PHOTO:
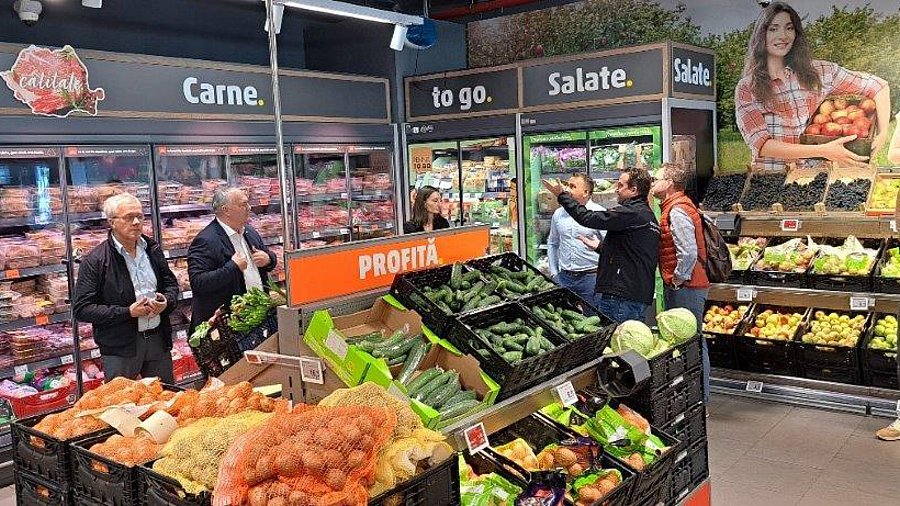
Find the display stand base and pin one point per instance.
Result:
(701, 496)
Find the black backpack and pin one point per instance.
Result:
(718, 260)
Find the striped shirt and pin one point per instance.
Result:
(794, 106)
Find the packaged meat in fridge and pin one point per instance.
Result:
(304, 186)
(336, 185)
(82, 199)
(20, 253)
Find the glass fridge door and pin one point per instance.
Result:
(35, 321)
(437, 164)
(488, 170)
(371, 192)
(322, 195)
(95, 173)
(614, 149)
(255, 168)
(186, 178)
(547, 156)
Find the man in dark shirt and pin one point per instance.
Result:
(628, 258)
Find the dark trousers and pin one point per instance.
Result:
(152, 359)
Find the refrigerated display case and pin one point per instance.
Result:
(614, 149)
(437, 164)
(371, 192)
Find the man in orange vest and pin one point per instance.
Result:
(682, 250)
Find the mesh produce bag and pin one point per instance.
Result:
(314, 456)
(130, 451)
(220, 402)
(193, 453)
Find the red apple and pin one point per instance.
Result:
(827, 107)
(867, 105)
(852, 107)
(863, 124)
(840, 103)
(843, 120)
(856, 114)
(814, 130)
(821, 119)
(848, 129)
(832, 129)
(839, 114)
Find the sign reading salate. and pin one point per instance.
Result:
(693, 72)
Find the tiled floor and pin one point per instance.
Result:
(774, 455)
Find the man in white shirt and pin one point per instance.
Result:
(227, 258)
(573, 264)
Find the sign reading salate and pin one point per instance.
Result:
(480, 92)
(604, 77)
(693, 72)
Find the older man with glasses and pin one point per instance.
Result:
(126, 291)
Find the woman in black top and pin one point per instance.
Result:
(426, 212)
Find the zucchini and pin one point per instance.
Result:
(458, 409)
(443, 394)
(432, 386)
(396, 360)
(422, 379)
(416, 354)
(371, 336)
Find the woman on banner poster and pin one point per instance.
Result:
(783, 87)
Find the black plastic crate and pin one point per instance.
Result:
(689, 427)
(881, 284)
(767, 355)
(691, 468)
(826, 362)
(214, 356)
(879, 368)
(41, 454)
(586, 348)
(740, 276)
(667, 369)
(846, 283)
(80, 500)
(776, 278)
(653, 480)
(158, 490)
(408, 288)
(722, 347)
(244, 341)
(101, 479)
(32, 490)
(664, 406)
(438, 486)
(509, 261)
(513, 378)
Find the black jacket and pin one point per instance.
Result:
(629, 254)
(438, 223)
(104, 292)
(214, 277)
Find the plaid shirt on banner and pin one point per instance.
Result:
(794, 107)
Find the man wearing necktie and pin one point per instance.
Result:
(227, 257)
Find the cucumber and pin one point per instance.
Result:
(463, 395)
(444, 307)
(533, 347)
(489, 288)
(533, 284)
(472, 304)
(422, 379)
(443, 394)
(371, 336)
(471, 276)
(390, 351)
(511, 345)
(455, 276)
(512, 356)
(483, 352)
(416, 354)
(458, 409)
(502, 327)
(426, 391)
(396, 360)
(489, 301)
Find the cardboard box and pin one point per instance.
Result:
(471, 377)
(257, 374)
(326, 336)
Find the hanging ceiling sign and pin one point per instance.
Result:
(693, 71)
(54, 82)
(465, 93)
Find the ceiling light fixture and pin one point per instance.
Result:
(348, 10)
(278, 17)
(93, 4)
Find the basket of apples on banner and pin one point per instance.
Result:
(840, 116)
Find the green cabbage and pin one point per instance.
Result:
(633, 335)
(677, 325)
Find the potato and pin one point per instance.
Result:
(564, 457)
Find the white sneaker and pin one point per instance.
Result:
(890, 433)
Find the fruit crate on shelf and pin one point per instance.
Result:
(689, 427)
(829, 362)
(879, 367)
(41, 454)
(734, 182)
(509, 261)
(583, 349)
(409, 289)
(249, 340)
(761, 192)
(769, 356)
(799, 180)
(438, 486)
(513, 378)
(101, 479)
(881, 203)
(32, 490)
(765, 277)
(663, 407)
(880, 283)
(837, 184)
(845, 283)
(159, 490)
(740, 276)
(722, 346)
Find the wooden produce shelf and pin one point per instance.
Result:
(859, 225)
(805, 297)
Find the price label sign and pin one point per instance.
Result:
(188, 294)
(476, 438)
(21, 370)
(167, 254)
(337, 345)
(754, 386)
(66, 359)
(316, 235)
(745, 294)
(95, 353)
(41, 319)
(181, 334)
(791, 225)
(12, 273)
(566, 394)
(893, 225)
(311, 370)
(859, 303)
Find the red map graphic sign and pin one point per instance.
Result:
(52, 82)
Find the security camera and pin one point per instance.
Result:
(29, 11)
(763, 3)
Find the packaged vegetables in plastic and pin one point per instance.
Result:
(745, 251)
(489, 489)
(794, 255)
(849, 259)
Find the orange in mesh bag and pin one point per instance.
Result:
(313, 456)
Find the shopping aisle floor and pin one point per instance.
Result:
(775, 455)
(770, 454)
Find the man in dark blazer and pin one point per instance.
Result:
(227, 257)
(126, 291)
